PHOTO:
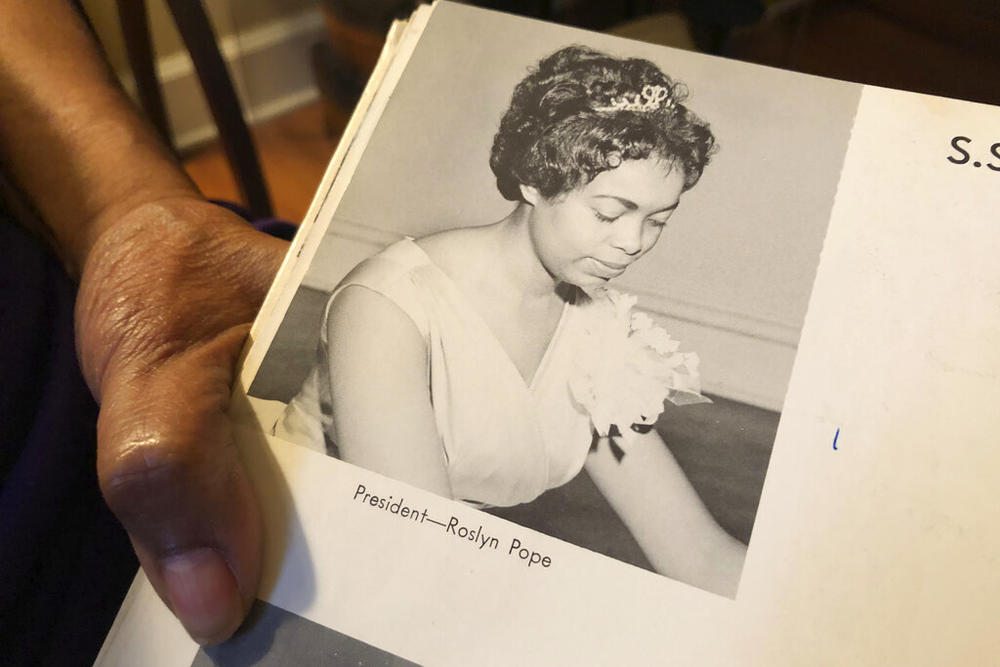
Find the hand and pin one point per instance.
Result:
(166, 298)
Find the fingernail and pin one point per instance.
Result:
(203, 594)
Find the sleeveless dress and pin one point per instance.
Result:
(504, 441)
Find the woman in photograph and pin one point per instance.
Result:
(488, 363)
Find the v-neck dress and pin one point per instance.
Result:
(504, 442)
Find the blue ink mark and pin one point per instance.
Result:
(837, 435)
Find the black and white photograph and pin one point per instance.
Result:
(565, 287)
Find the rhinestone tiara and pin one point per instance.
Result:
(650, 99)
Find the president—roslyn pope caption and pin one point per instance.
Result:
(453, 527)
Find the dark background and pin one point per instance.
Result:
(928, 46)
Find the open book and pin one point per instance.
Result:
(443, 484)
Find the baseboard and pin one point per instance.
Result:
(743, 357)
(269, 66)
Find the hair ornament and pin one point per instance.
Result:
(650, 99)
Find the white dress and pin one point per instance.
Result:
(504, 441)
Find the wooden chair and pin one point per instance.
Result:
(199, 38)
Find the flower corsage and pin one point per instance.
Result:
(627, 368)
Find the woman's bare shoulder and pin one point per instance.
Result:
(358, 311)
(459, 251)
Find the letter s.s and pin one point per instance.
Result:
(995, 150)
(965, 154)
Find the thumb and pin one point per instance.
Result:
(170, 470)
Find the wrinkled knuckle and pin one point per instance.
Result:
(130, 303)
(142, 258)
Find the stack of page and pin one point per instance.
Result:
(596, 352)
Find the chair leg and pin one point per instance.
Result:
(198, 36)
(135, 31)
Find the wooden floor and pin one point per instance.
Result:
(294, 150)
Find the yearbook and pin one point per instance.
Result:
(591, 351)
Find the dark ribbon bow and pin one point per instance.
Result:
(613, 433)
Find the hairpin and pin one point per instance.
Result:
(651, 99)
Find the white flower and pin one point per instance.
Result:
(628, 366)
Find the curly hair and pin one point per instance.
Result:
(561, 129)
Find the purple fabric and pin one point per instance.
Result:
(65, 563)
(273, 226)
